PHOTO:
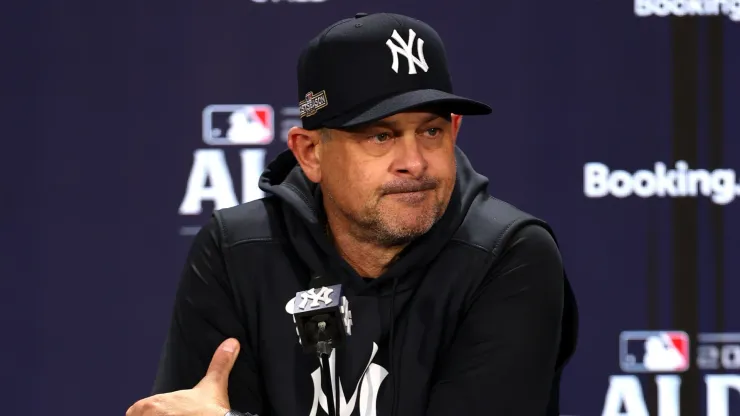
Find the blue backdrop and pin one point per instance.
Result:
(104, 106)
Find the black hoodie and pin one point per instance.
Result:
(474, 318)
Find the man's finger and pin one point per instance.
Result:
(222, 362)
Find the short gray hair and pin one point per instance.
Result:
(325, 134)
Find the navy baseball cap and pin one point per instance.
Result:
(372, 66)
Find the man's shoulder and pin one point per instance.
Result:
(514, 237)
(491, 224)
(251, 221)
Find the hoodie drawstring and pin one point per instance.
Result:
(394, 373)
(337, 408)
(326, 383)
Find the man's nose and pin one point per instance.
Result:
(410, 157)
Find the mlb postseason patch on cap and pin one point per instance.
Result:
(312, 103)
(374, 66)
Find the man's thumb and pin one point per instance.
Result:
(217, 376)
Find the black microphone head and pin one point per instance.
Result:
(322, 315)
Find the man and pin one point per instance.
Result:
(459, 302)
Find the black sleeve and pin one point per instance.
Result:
(204, 316)
(502, 361)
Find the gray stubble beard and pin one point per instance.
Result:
(373, 229)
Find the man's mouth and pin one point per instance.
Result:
(411, 189)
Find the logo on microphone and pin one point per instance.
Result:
(307, 304)
(654, 351)
(322, 296)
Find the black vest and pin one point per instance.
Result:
(252, 232)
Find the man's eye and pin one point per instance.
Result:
(434, 131)
(381, 137)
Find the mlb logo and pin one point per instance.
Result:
(654, 351)
(238, 124)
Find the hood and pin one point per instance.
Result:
(304, 219)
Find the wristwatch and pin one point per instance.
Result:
(235, 413)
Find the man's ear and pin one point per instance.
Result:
(306, 146)
(456, 121)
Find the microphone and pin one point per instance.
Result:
(323, 319)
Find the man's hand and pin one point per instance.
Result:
(209, 398)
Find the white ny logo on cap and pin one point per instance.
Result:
(405, 49)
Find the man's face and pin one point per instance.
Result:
(392, 179)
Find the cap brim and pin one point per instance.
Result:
(408, 101)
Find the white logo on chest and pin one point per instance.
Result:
(368, 387)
